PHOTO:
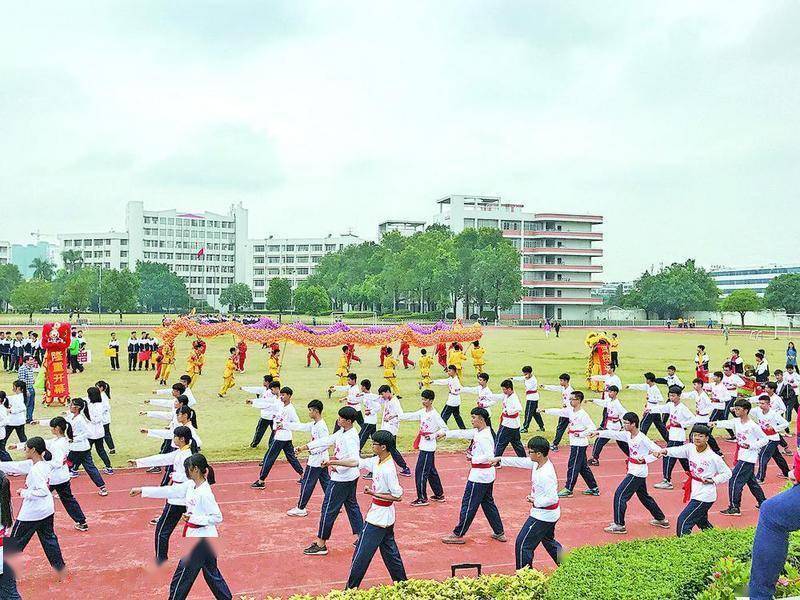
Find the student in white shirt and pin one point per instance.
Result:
(175, 507)
(185, 381)
(635, 481)
(777, 404)
(178, 400)
(652, 399)
(704, 407)
(15, 404)
(453, 404)
(565, 389)
(580, 426)
(390, 421)
(314, 470)
(8, 580)
(771, 423)
(480, 482)
(540, 526)
(609, 379)
(80, 453)
(344, 480)
(378, 529)
(749, 441)
(671, 378)
(96, 432)
(199, 521)
(531, 399)
(282, 442)
(36, 513)
(732, 382)
(353, 397)
(679, 419)
(613, 411)
(267, 401)
(430, 423)
(370, 407)
(105, 394)
(508, 433)
(708, 470)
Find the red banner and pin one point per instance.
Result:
(55, 340)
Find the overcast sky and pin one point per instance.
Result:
(676, 120)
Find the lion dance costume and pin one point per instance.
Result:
(55, 341)
(599, 359)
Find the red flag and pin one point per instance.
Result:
(201, 252)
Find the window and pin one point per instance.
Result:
(257, 271)
(108, 242)
(258, 282)
(302, 248)
(87, 242)
(302, 271)
(315, 259)
(290, 247)
(77, 243)
(107, 253)
(258, 248)
(302, 259)
(274, 260)
(316, 247)
(273, 271)
(288, 259)
(330, 247)
(123, 242)
(274, 248)
(511, 225)
(123, 265)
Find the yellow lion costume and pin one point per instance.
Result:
(599, 359)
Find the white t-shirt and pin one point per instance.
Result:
(703, 465)
(384, 481)
(544, 488)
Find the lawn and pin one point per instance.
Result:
(226, 425)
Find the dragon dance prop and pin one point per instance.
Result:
(56, 338)
(268, 331)
(599, 359)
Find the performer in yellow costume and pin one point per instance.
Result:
(344, 366)
(228, 380)
(457, 358)
(389, 365)
(274, 364)
(194, 366)
(167, 360)
(424, 363)
(599, 359)
(477, 357)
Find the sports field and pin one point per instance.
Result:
(226, 425)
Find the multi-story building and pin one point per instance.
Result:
(556, 253)
(609, 289)
(290, 258)
(24, 254)
(5, 253)
(207, 250)
(756, 278)
(406, 228)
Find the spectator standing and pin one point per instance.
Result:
(27, 373)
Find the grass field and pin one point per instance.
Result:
(226, 425)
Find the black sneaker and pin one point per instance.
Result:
(81, 527)
(153, 470)
(438, 498)
(258, 485)
(731, 512)
(524, 430)
(367, 476)
(314, 550)
(593, 462)
(419, 502)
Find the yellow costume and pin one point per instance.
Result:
(194, 366)
(477, 359)
(274, 366)
(389, 364)
(342, 369)
(167, 361)
(457, 358)
(425, 363)
(227, 376)
(599, 359)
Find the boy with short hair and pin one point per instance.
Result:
(749, 441)
(315, 468)
(478, 360)
(580, 425)
(228, 380)
(614, 412)
(430, 423)
(771, 423)
(531, 398)
(640, 449)
(269, 404)
(425, 363)
(508, 433)
(652, 400)
(371, 406)
(565, 389)
(390, 421)
(353, 398)
(453, 404)
(389, 366)
(679, 418)
(282, 442)
(342, 369)
(704, 407)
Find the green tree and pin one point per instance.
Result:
(73, 260)
(42, 269)
(78, 291)
(160, 289)
(312, 300)
(120, 291)
(741, 301)
(673, 291)
(10, 278)
(279, 295)
(32, 296)
(783, 293)
(236, 296)
(499, 274)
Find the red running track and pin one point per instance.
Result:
(260, 548)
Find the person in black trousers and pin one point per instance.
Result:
(133, 351)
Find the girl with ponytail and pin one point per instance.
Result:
(79, 450)
(16, 411)
(59, 447)
(174, 508)
(105, 393)
(200, 521)
(184, 417)
(36, 514)
(96, 431)
(178, 399)
(4, 455)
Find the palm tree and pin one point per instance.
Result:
(42, 269)
(73, 259)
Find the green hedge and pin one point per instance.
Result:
(654, 569)
(526, 584)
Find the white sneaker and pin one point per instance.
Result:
(297, 512)
(664, 485)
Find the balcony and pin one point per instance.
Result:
(594, 219)
(556, 300)
(561, 235)
(562, 268)
(564, 251)
(561, 284)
